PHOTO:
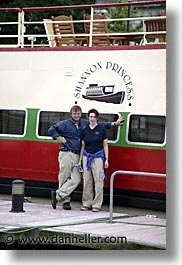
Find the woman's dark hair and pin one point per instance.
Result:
(93, 111)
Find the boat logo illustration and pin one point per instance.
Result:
(104, 93)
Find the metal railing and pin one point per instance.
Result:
(123, 172)
(23, 38)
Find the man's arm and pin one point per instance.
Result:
(55, 131)
(119, 121)
(52, 131)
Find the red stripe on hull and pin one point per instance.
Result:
(35, 160)
(138, 159)
(29, 160)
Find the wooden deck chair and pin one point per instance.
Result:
(99, 27)
(155, 25)
(61, 28)
(49, 31)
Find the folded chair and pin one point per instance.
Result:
(63, 26)
(49, 32)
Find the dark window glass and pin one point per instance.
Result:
(48, 118)
(112, 133)
(12, 122)
(147, 129)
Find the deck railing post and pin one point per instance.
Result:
(21, 29)
(91, 26)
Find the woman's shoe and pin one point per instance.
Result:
(95, 209)
(85, 208)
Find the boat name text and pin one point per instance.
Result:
(109, 66)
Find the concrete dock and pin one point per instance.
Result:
(40, 225)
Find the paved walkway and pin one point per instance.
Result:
(44, 225)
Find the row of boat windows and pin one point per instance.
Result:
(140, 129)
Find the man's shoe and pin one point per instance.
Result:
(66, 206)
(53, 199)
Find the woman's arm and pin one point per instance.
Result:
(81, 153)
(106, 152)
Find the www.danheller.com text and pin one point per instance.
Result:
(66, 239)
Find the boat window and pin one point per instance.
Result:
(12, 122)
(113, 132)
(109, 89)
(147, 129)
(48, 118)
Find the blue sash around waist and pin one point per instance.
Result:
(90, 157)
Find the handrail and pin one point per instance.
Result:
(137, 3)
(126, 173)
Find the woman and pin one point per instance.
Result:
(94, 157)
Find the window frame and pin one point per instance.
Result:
(143, 143)
(25, 123)
(49, 137)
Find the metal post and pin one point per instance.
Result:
(144, 35)
(18, 187)
(111, 196)
(128, 22)
(126, 173)
(91, 26)
(21, 28)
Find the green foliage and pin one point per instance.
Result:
(122, 12)
(38, 16)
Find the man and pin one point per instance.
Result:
(68, 132)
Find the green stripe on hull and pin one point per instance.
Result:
(30, 134)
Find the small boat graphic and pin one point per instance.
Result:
(104, 94)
